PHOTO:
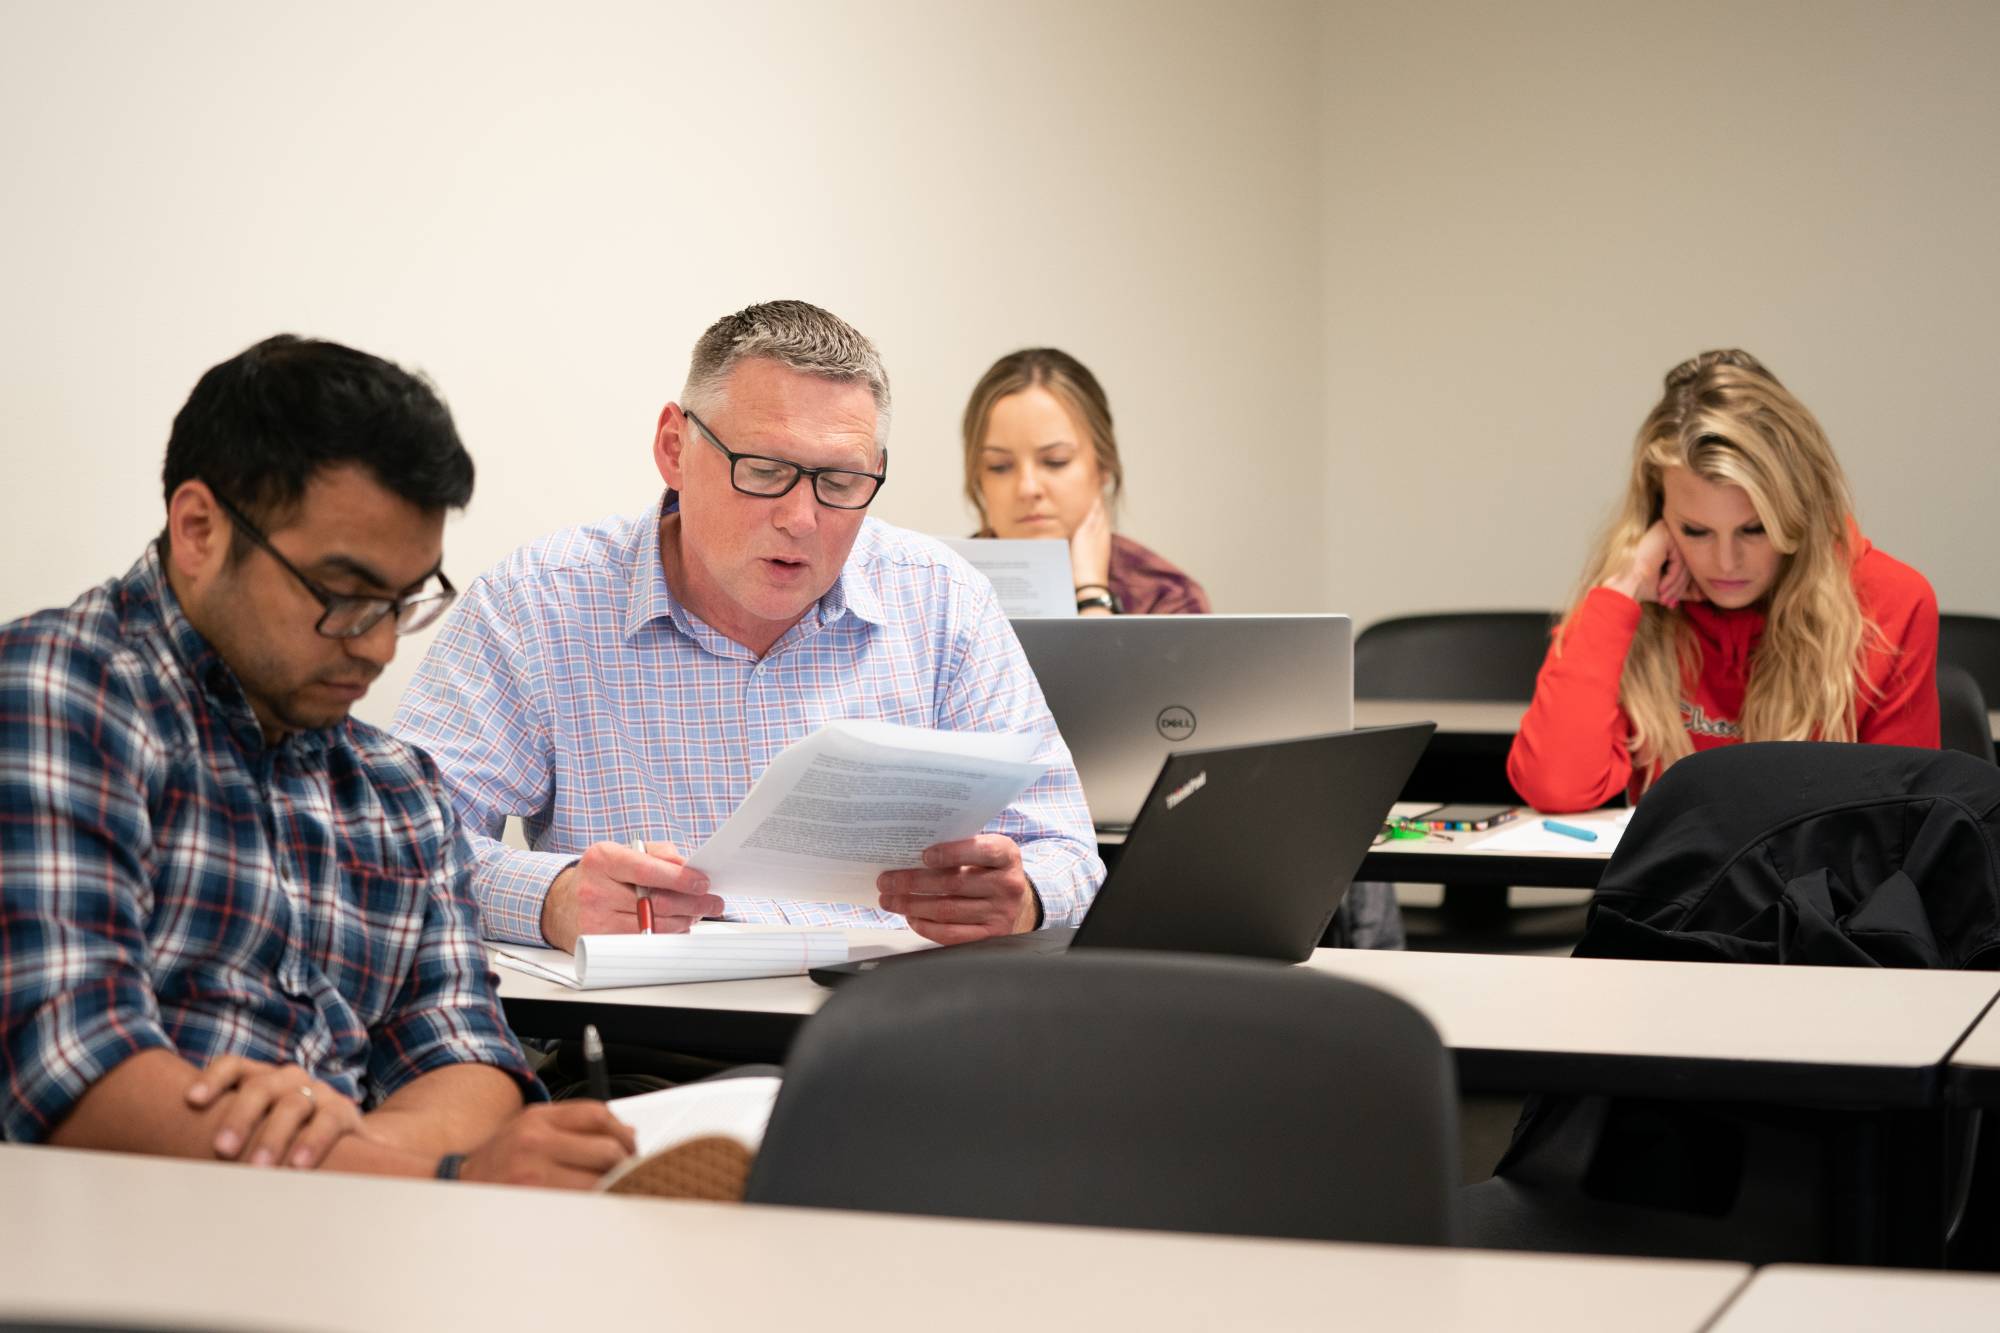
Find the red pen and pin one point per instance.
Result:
(645, 902)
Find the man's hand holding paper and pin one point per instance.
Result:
(966, 890)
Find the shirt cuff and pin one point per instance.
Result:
(1065, 876)
(511, 886)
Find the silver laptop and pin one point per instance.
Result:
(1127, 691)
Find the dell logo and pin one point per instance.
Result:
(1175, 723)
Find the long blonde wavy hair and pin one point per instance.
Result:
(1728, 420)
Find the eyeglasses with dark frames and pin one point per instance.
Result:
(769, 478)
(347, 616)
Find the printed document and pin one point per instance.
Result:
(856, 798)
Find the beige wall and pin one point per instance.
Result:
(1532, 210)
(543, 206)
(1379, 292)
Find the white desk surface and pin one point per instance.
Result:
(1982, 1048)
(104, 1236)
(1844, 1016)
(1470, 844)
(1787, 1297)
(1476, 717)
(1892, 1018)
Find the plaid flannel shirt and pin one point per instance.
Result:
(571, 689)
(168, 880)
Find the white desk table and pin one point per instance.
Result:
(99, 1236)
(1785, 1298)
(1846, 1036)
(1975, 1065)
(1850, 1036)
(1480, 858)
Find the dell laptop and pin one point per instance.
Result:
(1127, 691)
(1244, 850)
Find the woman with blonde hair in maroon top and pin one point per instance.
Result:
(1041, 461)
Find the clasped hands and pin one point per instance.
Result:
(965, 890)
(280, 1115)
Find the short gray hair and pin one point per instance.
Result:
(797, 336)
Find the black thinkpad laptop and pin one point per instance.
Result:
(1244, 850)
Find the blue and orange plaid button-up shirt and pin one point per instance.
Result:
(570, 688)
(169, 880)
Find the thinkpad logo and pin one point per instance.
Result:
(1175, 723)
(1187, 789)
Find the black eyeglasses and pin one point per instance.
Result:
(347, 616)
(769, 478)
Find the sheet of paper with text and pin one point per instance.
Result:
(853, 799)
(1032, 578)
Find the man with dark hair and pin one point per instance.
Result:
(233, 921)
(629, 679)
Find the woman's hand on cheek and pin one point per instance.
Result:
(1653, 571)
(1090, 547)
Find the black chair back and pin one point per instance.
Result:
(1962, 721)
(1973, 643)
(1453, 655)
(1107, 1088)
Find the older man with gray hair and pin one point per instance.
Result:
(631, 678)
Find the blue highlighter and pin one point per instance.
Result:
(1569, 830)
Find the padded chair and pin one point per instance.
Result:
(1453, 655)
(1973, 643)
(1476, 656)
(1112, 1088)
(1962, 721)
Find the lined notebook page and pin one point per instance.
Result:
(604, 961)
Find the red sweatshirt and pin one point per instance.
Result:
(1570, 752)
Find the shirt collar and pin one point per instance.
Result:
(650, 599)
(853, 593)
(150, 601)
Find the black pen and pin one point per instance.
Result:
(594, 1071)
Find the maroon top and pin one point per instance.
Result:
(1145, 584)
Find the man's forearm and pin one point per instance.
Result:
(142, 1106)
(454, 1109)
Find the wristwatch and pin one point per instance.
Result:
(1090, 596)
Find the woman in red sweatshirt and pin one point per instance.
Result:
(1733, 598)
